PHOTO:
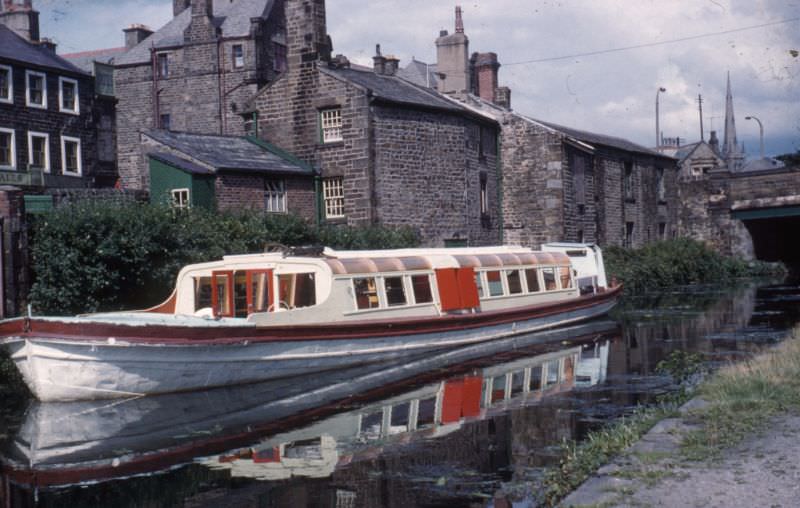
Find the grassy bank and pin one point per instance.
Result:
(741, 399)
(679, 262)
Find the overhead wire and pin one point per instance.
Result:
(651, 44)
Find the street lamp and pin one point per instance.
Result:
(761, 131)
(658, 130)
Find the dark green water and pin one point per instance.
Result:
(455, 432)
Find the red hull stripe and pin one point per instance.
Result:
(177, 335)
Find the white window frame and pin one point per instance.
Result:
(234, 63)
(61, 108)
(28, 102)
(31, 135)
(10, 98)
(13, 158)
(330, 124)
(277, 197)
(180, 203)
(333, 197)
(64, 141)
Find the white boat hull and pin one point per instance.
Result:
(59, 369)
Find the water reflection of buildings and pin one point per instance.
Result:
(84, 443)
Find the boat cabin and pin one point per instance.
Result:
(272, 288)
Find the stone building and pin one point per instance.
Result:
(47, 134)
(389, 152)
(559, 183)
(194, 73)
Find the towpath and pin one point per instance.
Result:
(762, 471)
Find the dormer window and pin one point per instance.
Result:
(6, 84)
(35, 89)
(68, 96)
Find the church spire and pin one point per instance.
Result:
(731, 151)
(729, 144)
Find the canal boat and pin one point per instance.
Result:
(256, 317)
(264, 426)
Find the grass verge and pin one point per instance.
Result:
(743, 397)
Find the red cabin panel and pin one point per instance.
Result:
(468, 288)
(449, 291)
(471, 405)
(452, 399)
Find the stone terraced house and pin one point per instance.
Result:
(389, 152)
(194, 73)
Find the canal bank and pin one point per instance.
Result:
(734, 444)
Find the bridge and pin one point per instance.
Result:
(749, 214)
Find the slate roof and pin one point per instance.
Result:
(85, 59)
(180, 163)
(416, 71)
(14, 47)
(395, 89)
(603, 139)
(232, 17)
(686, 150)
(232, 153)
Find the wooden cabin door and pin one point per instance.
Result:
(457, 288)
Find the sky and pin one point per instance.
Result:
(564, 60)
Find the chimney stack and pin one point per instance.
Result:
(202, 8)
(452, 59)
(178, 6)
(378, 61)
(713, 142)
(20, 17)
(135, 34)
(201, 28)
(392, 63)
(48, 44)
(485, 66)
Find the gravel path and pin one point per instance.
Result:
(763, 471)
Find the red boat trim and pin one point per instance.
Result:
(220, 335)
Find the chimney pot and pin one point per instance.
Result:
(378, 61)
(442, 33)
(391, 65)
(135, 34)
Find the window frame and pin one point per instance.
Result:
(628, 191)
(280, 195)
(161, 121)
(13, 149)
(31, 134)
(331, 133)
(28, 103)
(78, 156)
(162, 65)
(237, 62)
(9, 99)
(177, 204)
(61, 81)
(333, 202)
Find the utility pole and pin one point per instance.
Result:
(700, 105)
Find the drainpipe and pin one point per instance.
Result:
(154, 65)
(220, 85)
(318, 199)
(255, 124)
(499, 164)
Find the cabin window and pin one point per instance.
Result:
(422, 288)
(535, 382)
(258, 288)
(400, 418)
(395, 292)
(498, 388)
(549, 276)
(517, 382)
(366, 293)
(566, 277)
(296, 290)
(514, 282)
(240, 294)
(426, 412)
(221, 293)
(495, 283)
(532, 278)
(569, 368)
(552, 373)
(371, 425)
(305, 449)
(479, 284)
(202, 293)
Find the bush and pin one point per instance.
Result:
(678, 262)
(94, 256)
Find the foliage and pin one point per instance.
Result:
(681, 365)
(678, 262)
(95, 256)
(790, 159)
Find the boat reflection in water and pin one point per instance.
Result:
(298, 427)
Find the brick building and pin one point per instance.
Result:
(47, 135)
(390, 152)
(194, 73)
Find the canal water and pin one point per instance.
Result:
(460, 428)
